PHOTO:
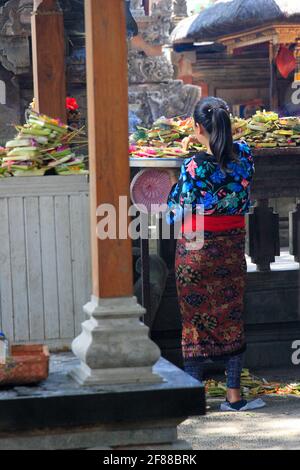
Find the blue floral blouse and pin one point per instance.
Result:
(202, 182)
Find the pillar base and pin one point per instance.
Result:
(89, 377)
(114, 346)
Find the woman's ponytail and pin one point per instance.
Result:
(221, 140)
(213, 114)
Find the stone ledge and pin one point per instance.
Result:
(143, 435)
(60, 403)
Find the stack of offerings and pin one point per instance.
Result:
(163, 140)
(263, 130)
(267, 130)
(43, 144)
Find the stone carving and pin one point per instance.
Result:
(14, 35)
(139, 105)
(137, 8)
(144, 69)
(158, 31)
(134, 121)
(169, 99)
(15, 54)
(15, 18)
(174, 99)
(180, 9)
(153, 92)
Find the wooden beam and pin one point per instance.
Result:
(107, 85)
(48, 54)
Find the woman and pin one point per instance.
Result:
(211, 280)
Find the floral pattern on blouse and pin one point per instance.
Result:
(202, 182)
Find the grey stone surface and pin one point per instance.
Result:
(60, 383)
(276, 427)
(140, 430)
(140, 434)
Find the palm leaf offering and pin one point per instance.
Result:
(268, 130)
(42, 145)
(163, 140)
(252, 386)
(263, 130)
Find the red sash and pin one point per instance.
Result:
(212, 223)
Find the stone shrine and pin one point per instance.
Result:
(153, 92)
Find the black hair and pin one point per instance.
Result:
(214, 115)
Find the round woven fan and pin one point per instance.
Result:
(150, 187)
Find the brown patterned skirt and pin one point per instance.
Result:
(210, 286)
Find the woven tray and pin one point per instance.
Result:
(28, 364)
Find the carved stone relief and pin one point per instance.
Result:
(180, 9)
(137, 8)
(143, 69)
(149, 102)
(152, 91)
(15, 18)
(14, 35)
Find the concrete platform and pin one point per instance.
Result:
(59, 414)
